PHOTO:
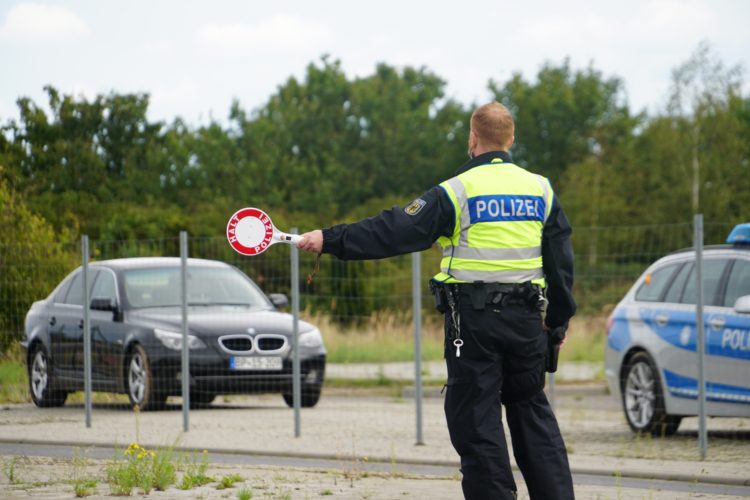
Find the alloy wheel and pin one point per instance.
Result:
(137, 378)
(39, 377)
(640, 395)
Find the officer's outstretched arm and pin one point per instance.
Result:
(395, 231)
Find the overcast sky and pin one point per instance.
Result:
(194, 56)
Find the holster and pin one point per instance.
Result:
(438, 293)
(554, 339)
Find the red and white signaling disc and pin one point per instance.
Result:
(250, 231)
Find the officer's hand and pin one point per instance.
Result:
(312, 241)
(562, 342)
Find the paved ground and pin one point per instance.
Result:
(356, 427)
(435, 370)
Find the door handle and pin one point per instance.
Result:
(717, 323)
(52, 321)
(661, 319)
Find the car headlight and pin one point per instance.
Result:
(173, 340)
(313, 338)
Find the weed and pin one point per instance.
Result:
(228, 481)
(163, 469)
(141, 468)
(83, 485)
(326, 492)
(618, 484)
(9, 468)
(195, 472)
(134, 470)
(244, 494)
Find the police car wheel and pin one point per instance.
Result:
(643, 399)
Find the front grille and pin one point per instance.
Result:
(270, 343)
(237, 343)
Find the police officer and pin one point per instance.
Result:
(505, 241)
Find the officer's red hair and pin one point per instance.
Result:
(493, 125)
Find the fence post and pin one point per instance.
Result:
(185, 370)
(700, 343)
(296, 370)
(416, 278)
(86, 329)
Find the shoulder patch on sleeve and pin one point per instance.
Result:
(415, 206)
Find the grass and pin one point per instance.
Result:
(83, 484)
(244, 494)
(14, 387)
(389, 337)
(383, 337)
(586, 339)
(228, 481)
(195, 471)
(10, 469)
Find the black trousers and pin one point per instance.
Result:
(502, 359)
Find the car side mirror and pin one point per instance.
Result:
(279, 300)
(742, 304)
(106, 304)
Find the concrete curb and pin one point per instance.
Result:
(626, 472)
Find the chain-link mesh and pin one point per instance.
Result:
(240, 355)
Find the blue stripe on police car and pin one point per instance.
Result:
(687, 387)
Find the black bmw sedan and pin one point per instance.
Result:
(239, 342)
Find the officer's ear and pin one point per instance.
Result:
(472, 143)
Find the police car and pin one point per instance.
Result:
(651, 362)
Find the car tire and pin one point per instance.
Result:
(41, 381)
(643, 398)
(310, 396)
(139, 381)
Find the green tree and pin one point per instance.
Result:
(83, 154)
(562, 116)
(32, 262)
(706, 109)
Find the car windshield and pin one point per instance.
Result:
(207, 286)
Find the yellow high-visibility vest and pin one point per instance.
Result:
(497, 238)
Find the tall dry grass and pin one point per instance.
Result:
(389, 336)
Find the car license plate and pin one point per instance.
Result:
(255, 363)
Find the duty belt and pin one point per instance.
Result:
(447, 297)
(499, 294)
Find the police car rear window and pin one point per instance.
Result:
(712, 271)
(653, 285)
